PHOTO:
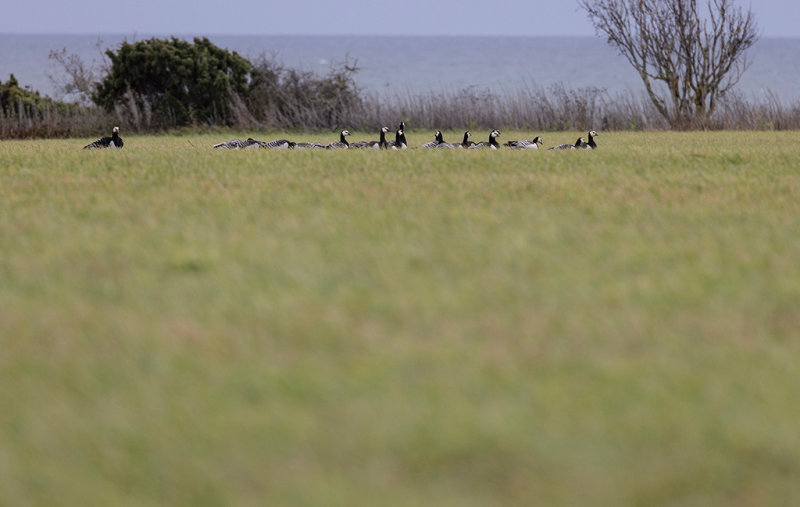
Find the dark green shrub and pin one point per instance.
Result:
(17, 101)
(177, 82)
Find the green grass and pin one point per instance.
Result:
(183, 326)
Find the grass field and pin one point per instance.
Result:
(183, 326)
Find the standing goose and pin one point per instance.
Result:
(492, 144)
(107, 142)
(341, 143)
(526, 145)
(375, 145)
(438, 140)
(578, 144)
(591, 145)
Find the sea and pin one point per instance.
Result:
(408, 65)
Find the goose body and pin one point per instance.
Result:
(341, 143)
(233, 144)
(526, 145)
(278, 144)
(399, 142)
(374, 145)
(578, 144)
(492, 144)
(114, 141)
(308, 146)
(252, 144)
(465, 143)
(438, 141)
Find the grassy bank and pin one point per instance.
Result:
(186, 326)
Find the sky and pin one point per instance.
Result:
(776, 18)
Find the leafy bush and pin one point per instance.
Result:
(17, 101)
(179, 82)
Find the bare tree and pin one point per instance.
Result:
(78, 79)
(696, 56)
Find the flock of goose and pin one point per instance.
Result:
(399, 143)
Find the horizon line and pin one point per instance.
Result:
(381, 35)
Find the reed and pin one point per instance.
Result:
(298, 102)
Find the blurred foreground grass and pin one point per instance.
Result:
(186, 326)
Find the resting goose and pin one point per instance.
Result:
(305, 146)
(403, 143)
(252, 144)
(107, 142)
(341, 143)
(375, 145)
(233, 144)
(399, 142)
(278, 144)
(465, 143)
(438, 140)
(591, 145)
(578, 144)
(492, 144)
(526, 145)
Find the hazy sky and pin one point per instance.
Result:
(777, 18)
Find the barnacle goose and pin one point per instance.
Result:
(526, 145)
(107, 142)
(278, 144)
(591, 145)
(465, 143)
(439, 140)
(493, 144)
(578, 144)
(399, 142)
(341, 143)
(301, 146)
(375, 145)
(233, 144)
